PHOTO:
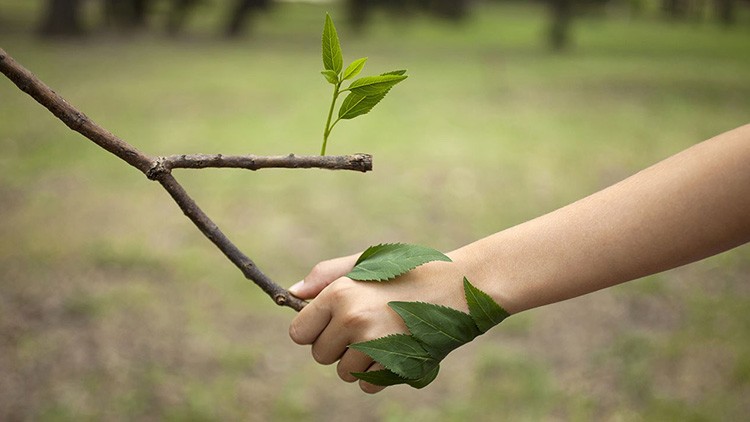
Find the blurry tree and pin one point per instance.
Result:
(178, 14)
(726, 11)
(240, 14)
(561, 14)
(61, 18)
(360, 10)
(126, 14)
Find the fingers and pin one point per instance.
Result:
(356, 361)
(310, 322)
(330, 344)
(323, 274)
(352, 361)
(372, 388)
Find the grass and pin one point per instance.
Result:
(114, 307)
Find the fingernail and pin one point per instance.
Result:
(296, 287)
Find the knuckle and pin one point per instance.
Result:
(320, 357)
(295, 334)
(354, 320)
(319, 270)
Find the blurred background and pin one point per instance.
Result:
(114, 307)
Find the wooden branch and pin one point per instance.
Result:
(159, 169)
(356, 162)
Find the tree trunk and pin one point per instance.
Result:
(561, 14)
(725, 11)
(61, 18)
(240, 14)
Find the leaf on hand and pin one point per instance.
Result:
(400, 353)
(353, 69)
(439, 328)
(390, 260)
(330, 76)
(382, 377)
(485, 312)
(332, 56)
(373, 85)
(425, 380)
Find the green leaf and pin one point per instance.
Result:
(330, 76)
(355, 105)
(332, 56)
(401, 353)
(373, 85)
(425, 380)
(390, 260)
(395, 72)
(353, 69)
(439, 328)
(485, 312)
(382, 377)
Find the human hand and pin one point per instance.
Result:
(346, 311)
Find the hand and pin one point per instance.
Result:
(346, 311)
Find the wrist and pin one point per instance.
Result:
(492, 273)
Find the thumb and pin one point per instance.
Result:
(323, 274)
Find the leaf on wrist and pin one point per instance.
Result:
(485, 312)
(440, 329)
(390, 260)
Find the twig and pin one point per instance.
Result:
(356, 162)
(159, 169)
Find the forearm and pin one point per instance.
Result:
(690, 206)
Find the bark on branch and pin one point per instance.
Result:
(159, 169)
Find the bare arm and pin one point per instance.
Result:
(688, 207)
(685, 208)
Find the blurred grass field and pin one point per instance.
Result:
(114, 307)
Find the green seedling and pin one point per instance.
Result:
(364, 93)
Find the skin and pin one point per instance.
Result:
(690, 206)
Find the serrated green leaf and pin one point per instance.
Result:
(439, 328)
(395, 72)
(374, 85)
(390, 260)
(385, 378)
(425, 380)
(400, 353)
(332, 56)
(330, 76)
(485, 312)
(353, 69)
(382, 377)
(355, 105)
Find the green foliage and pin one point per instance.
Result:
(332, 57)
(390, 260)
(485, 312)
(364, 93)
(435, 330)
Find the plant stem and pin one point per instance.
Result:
(328, 128)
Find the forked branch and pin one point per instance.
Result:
(159, 169)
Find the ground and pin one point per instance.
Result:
(113, 306)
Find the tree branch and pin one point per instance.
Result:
(356, 162)
(159, 169)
